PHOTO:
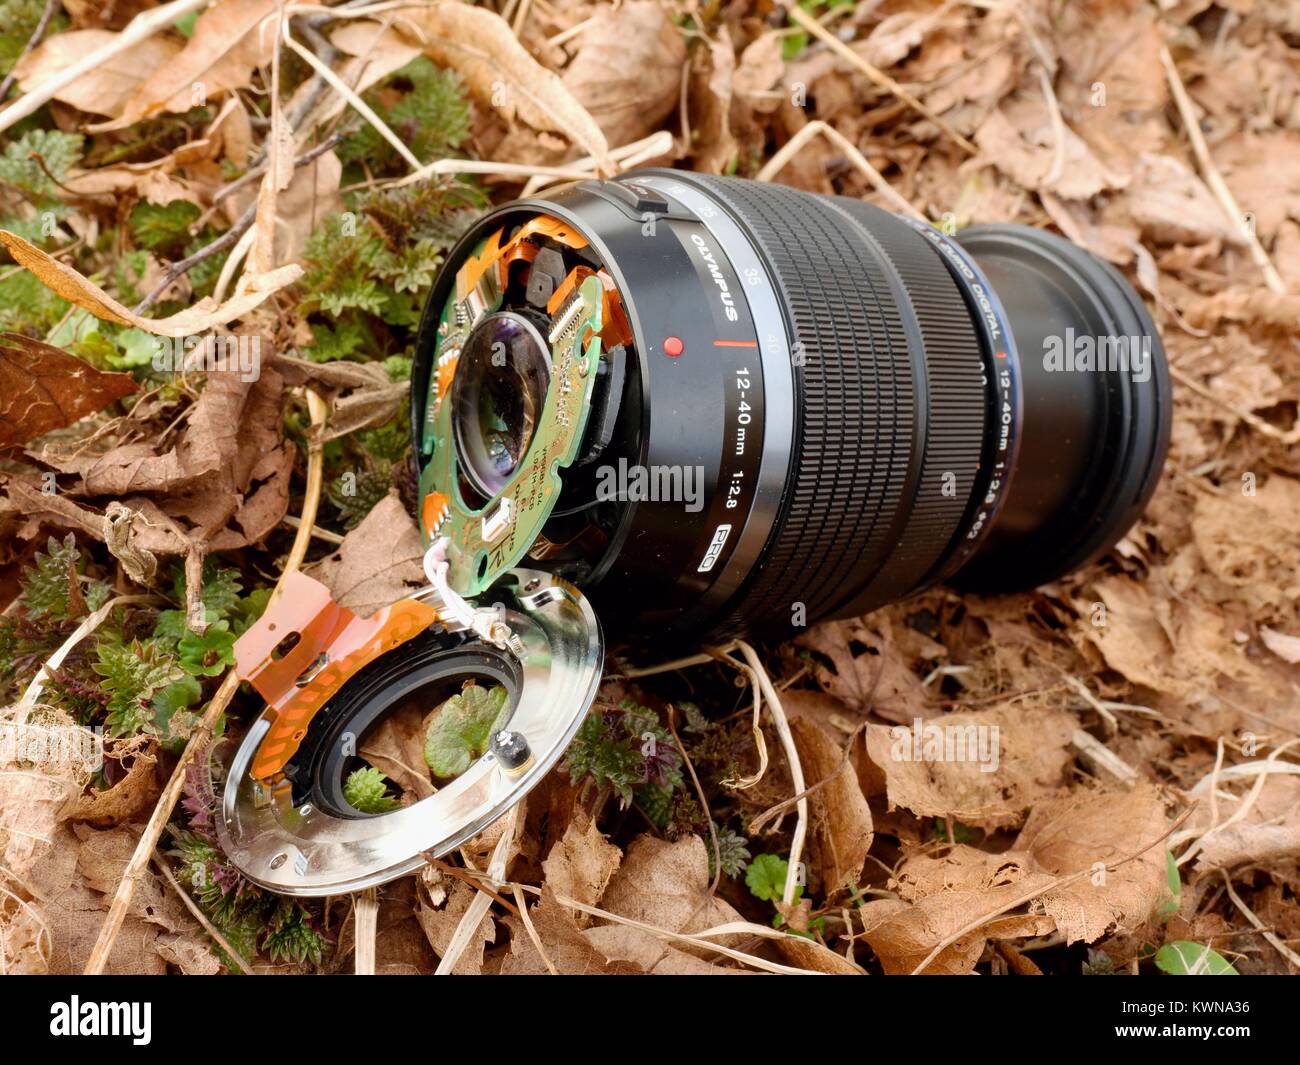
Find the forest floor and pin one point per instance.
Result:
(195, 169)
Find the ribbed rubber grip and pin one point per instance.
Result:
(857, 434)
(954, 416)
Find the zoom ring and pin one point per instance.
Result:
(855, 397)
(954, 417)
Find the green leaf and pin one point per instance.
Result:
(765, 877)
(734, 851)
(221, 587)
(432, 117)
(172, 718)
(330, 344)
(160, 227)
(366, 789)
(132, 674)
(1170, 906)
(460, 730)
(249, 609)
(58, 150)
(1185, 958)
(208, 654)
(47, 587)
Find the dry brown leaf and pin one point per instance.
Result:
(628, 69)
(43, 388)
(1268, 834)
(498, 71)
(759, 72)
(106, 89)
(983, 769)
(378, 562)
(252, 290)
(581, 864)
(566, 948)
(440, 924)
(1086, 831)
(946, 894)
(866, 670)
(841, 820)
(229, 41)
(223, 483)
(713, 146)
(652, 955)
(1083, 833)
(667, 885)
(136, 791)
(1019, 140)
(1173, 206)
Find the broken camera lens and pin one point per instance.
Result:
(725, 405)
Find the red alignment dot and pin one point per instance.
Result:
(673, 346)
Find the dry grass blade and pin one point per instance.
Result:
(144, 25)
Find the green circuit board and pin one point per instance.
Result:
(486, 542)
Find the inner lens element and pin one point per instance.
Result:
(497, 398)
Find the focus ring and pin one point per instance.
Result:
(856, 401)
(955, 417)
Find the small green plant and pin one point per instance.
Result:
(52, 588)
(732, 848)
(163, 227)
(132, 674)
(210, 653)
(766, 875)
(628, 750)
(366, 789)
(1175, 882)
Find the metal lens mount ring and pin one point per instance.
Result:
(308, 851)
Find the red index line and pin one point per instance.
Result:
(1000, 354)
(735, 343)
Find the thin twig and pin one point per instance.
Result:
(532, 932)
(231, 236)
(165, 868)
(704, 804)
(1273, 941)
(474, 880)
(35, 39)
(782, 725)
(365, 928)
(811, 25)
(1215, 179)
(819, 128)
(202, 734)
(359, 105)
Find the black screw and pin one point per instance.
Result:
(512, 751)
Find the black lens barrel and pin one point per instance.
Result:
(873, 405)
